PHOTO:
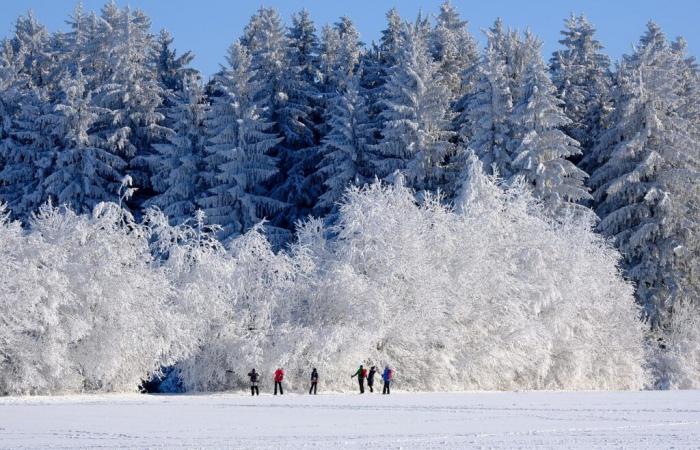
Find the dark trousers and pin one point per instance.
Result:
(254, 390)
(386, 387)
(370, 384)
(362, 384)
(313, 387)
(278, 383)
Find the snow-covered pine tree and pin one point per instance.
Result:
(25, 98)
(238, 160)
(646, 185)
(582, 77)
(179, 162)
(416, 132)
(89, 43)
(391, 42)
(343, 148)
(83, 174)
(341, 50)
(376, 64)
(27, 154)
(542, 151)
(173, 70)
(300, 186)
(483, 122)
(455, 51)
(284, 96)
(131, 92)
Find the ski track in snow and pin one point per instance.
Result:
(585, 420)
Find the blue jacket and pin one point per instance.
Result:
(386, 376)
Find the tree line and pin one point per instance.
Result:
(296, 115)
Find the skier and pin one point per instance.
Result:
(387, 377)
(370, 378)
(253, 375)
(279, 376)
(314, 381)
(361, 374)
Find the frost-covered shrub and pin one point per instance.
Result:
(38, 314)
(677, 364)
(83, 307)
(232, 298)
(494, 296)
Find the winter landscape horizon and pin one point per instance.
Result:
(459, 238)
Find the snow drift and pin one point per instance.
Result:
(491, 295)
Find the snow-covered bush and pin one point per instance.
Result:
(494, 296)
(677, 364)
(82, 305)
(234, 297)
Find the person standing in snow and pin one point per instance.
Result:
(387, 377)
(253, 375)
(370, 378)
(361, 374)
(279, 376)
(314, 381)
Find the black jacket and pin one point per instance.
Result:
(253, 376)
(370, 375)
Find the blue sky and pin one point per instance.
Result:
(207, 27)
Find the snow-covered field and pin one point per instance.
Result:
(669, 419)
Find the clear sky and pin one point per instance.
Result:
(207, 27)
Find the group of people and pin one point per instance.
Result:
(362, 375)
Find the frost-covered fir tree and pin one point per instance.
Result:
(646, 184)
(376, 64)
(131, 92)
(284, 96)
(26, 152)
(339, 59)
(512, 120)
(237, 157)
(543, 149)
(484, 121)
(173, 70)
(297, 183)
(581, 75)
(416, 118)
(31, 51)
(179, 162)
(344, 147)
(341, 50)
(454, 49)
(25, 98)
(83, 174)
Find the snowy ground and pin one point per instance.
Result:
(550, 419)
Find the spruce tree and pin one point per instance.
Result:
(543, 149)
(25, 155)
(454, 49)
(132, 94)
(179, 163)
(284, 96)
(344, 147)
(581, 75)
(237, 157)
(484, 121)
(84, 174)
(648, 166)
(416, 132)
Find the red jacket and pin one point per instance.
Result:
(279, 375)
